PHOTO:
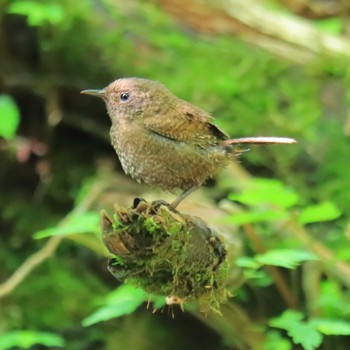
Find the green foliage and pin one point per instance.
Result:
(123, 301)
(150, 225)
(9, 117)
(85, 188)
(303, 333)
(287, 258)
(75, 223)
(331, 301)
(250, 92)
(276, 341)
(259, 191)
(325, 211)
(26, 339)
(333, 25)
(269, 200)
(257, 215)
(38, 12)
(331, 327)
(267, 203)
(309, 334)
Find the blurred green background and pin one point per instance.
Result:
(58, 169)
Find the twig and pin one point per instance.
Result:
(276, 275)
(29, 265)
(288, 36)
(50, 247)
(337, 268)
(235, 326)
(287, 28)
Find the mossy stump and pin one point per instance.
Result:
(166, 253)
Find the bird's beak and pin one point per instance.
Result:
(98, 93)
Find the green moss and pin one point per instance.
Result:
(167, 253)
(150, 225)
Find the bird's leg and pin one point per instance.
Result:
(183, 195)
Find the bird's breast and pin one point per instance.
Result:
(160, 161)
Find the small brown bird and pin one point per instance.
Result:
(164, 141)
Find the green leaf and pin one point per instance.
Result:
(325, 211)
(257, 215)
(289, 316)
(76, 223)
(247, 262)
(303, 333)
(9, 117)
(330, 302)
(275, 341)
(84, 190)
(259, 278)
(266, 191)
(26, 339)
(123, 301)
(330, 25)
(37, 13)
(332, 327)
(288, 258)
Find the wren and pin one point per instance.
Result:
(164, 141)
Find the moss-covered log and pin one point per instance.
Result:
(167, 253)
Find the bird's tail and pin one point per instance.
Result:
(263, 140)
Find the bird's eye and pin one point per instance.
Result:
(124, 96)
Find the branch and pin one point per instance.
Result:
(50, 247)
(339, 269)
(286, 35)
(29, 265)
(167, 253)
(290, 29)
(274, 272)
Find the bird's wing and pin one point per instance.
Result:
(188, 123)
